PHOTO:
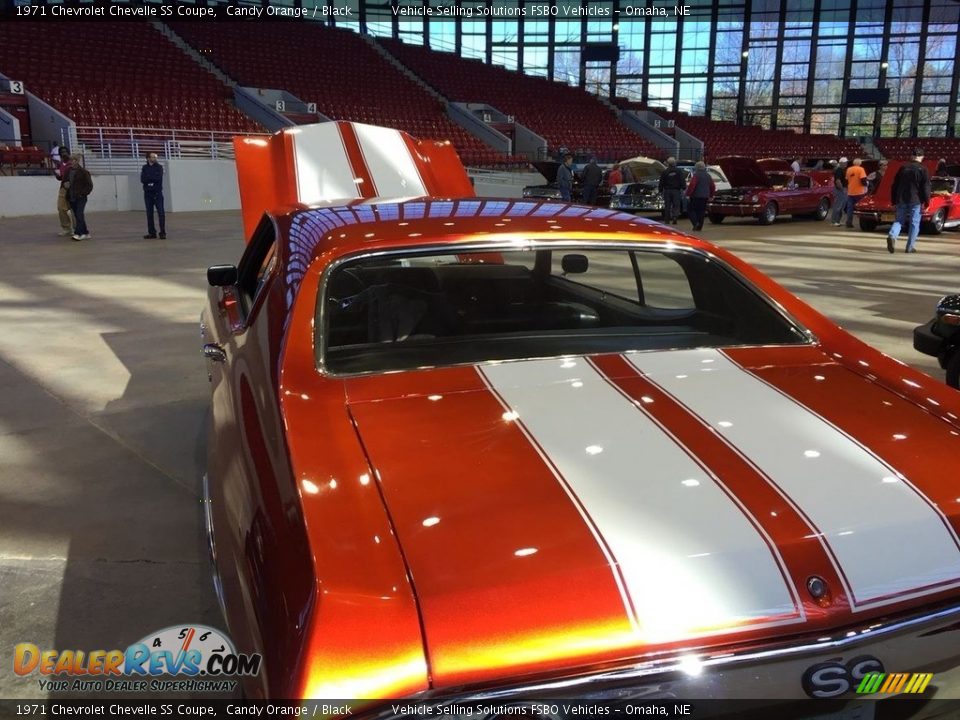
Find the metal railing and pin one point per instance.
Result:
(122, 149)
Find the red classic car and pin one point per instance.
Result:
(465, 447)
(766, 194)
(943, 210)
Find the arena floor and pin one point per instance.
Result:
(103, 400)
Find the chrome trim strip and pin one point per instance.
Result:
(586, 685)
(319, 338)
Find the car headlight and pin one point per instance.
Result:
(755, 198)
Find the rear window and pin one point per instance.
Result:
(426, 310)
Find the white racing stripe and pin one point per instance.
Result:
(323, 168)
(889, 541)
(691, 560)
(392, 168)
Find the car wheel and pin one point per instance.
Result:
(867, 224)
(953, 370)
(935, 226)
(716, 218)
(822, 209)
(769, 213)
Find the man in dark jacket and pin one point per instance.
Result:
(840, 191)
(700, 189)
(79, 187)
(671, 186)
(909, 193)
(592, 175)
(151, 175)
(565, 178)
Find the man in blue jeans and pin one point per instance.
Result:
(839, 191)
(151, 175)
(910, 192)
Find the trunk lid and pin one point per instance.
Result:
(561, 513)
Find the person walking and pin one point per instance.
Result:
(62, 171)
(839, 191)
(700, 189)
(592, 175)
(856, 187)
(671, 187)
(795, 165)
(910, 192)
(79, 187)
(151, 176)
(565, 178)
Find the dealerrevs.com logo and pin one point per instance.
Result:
(203, 655)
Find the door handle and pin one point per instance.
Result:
(214, 352)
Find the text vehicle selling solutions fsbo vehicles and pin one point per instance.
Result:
(464, 447)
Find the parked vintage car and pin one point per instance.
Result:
(645, 196)
(766, 195)
(940, 337)
(942, 212)
(465, 447)
(550, 191)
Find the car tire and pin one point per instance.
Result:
(769, 214)
(935, 226)
(823, 208)
(868, 224)
(716, 218)
(953, 370)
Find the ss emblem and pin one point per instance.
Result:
(830, 679)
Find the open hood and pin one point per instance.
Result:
(886, 184)
(743, 172)
(643, 167)
(547, 168)
(774, 165)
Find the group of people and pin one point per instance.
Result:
(673, 185)
(909, 192)
(76, 184)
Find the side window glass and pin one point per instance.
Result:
(665, 284)
(609, 272)
(257, 264)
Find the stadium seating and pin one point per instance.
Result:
(723, 137)
(126, 74)
(339, 71)
(933, 148)
(566, 116)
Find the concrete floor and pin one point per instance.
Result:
(103, 400)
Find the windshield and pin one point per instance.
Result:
(942, 185)
(420, 310)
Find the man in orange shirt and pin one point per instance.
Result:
(856, 187)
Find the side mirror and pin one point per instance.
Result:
(574, 264)
(222, 275)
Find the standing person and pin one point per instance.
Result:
(565, 178)
(856, 187)
(839, 191)
(151, 176)
(79, 187)
(592, 175)
(876, 177)
(62, 173)
(615, 177)
(671, 186)
(795, 165)
(942, 167)
(910, 192)
(700, 189)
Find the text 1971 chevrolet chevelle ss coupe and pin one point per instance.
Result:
(766, 195)
(467, 447)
